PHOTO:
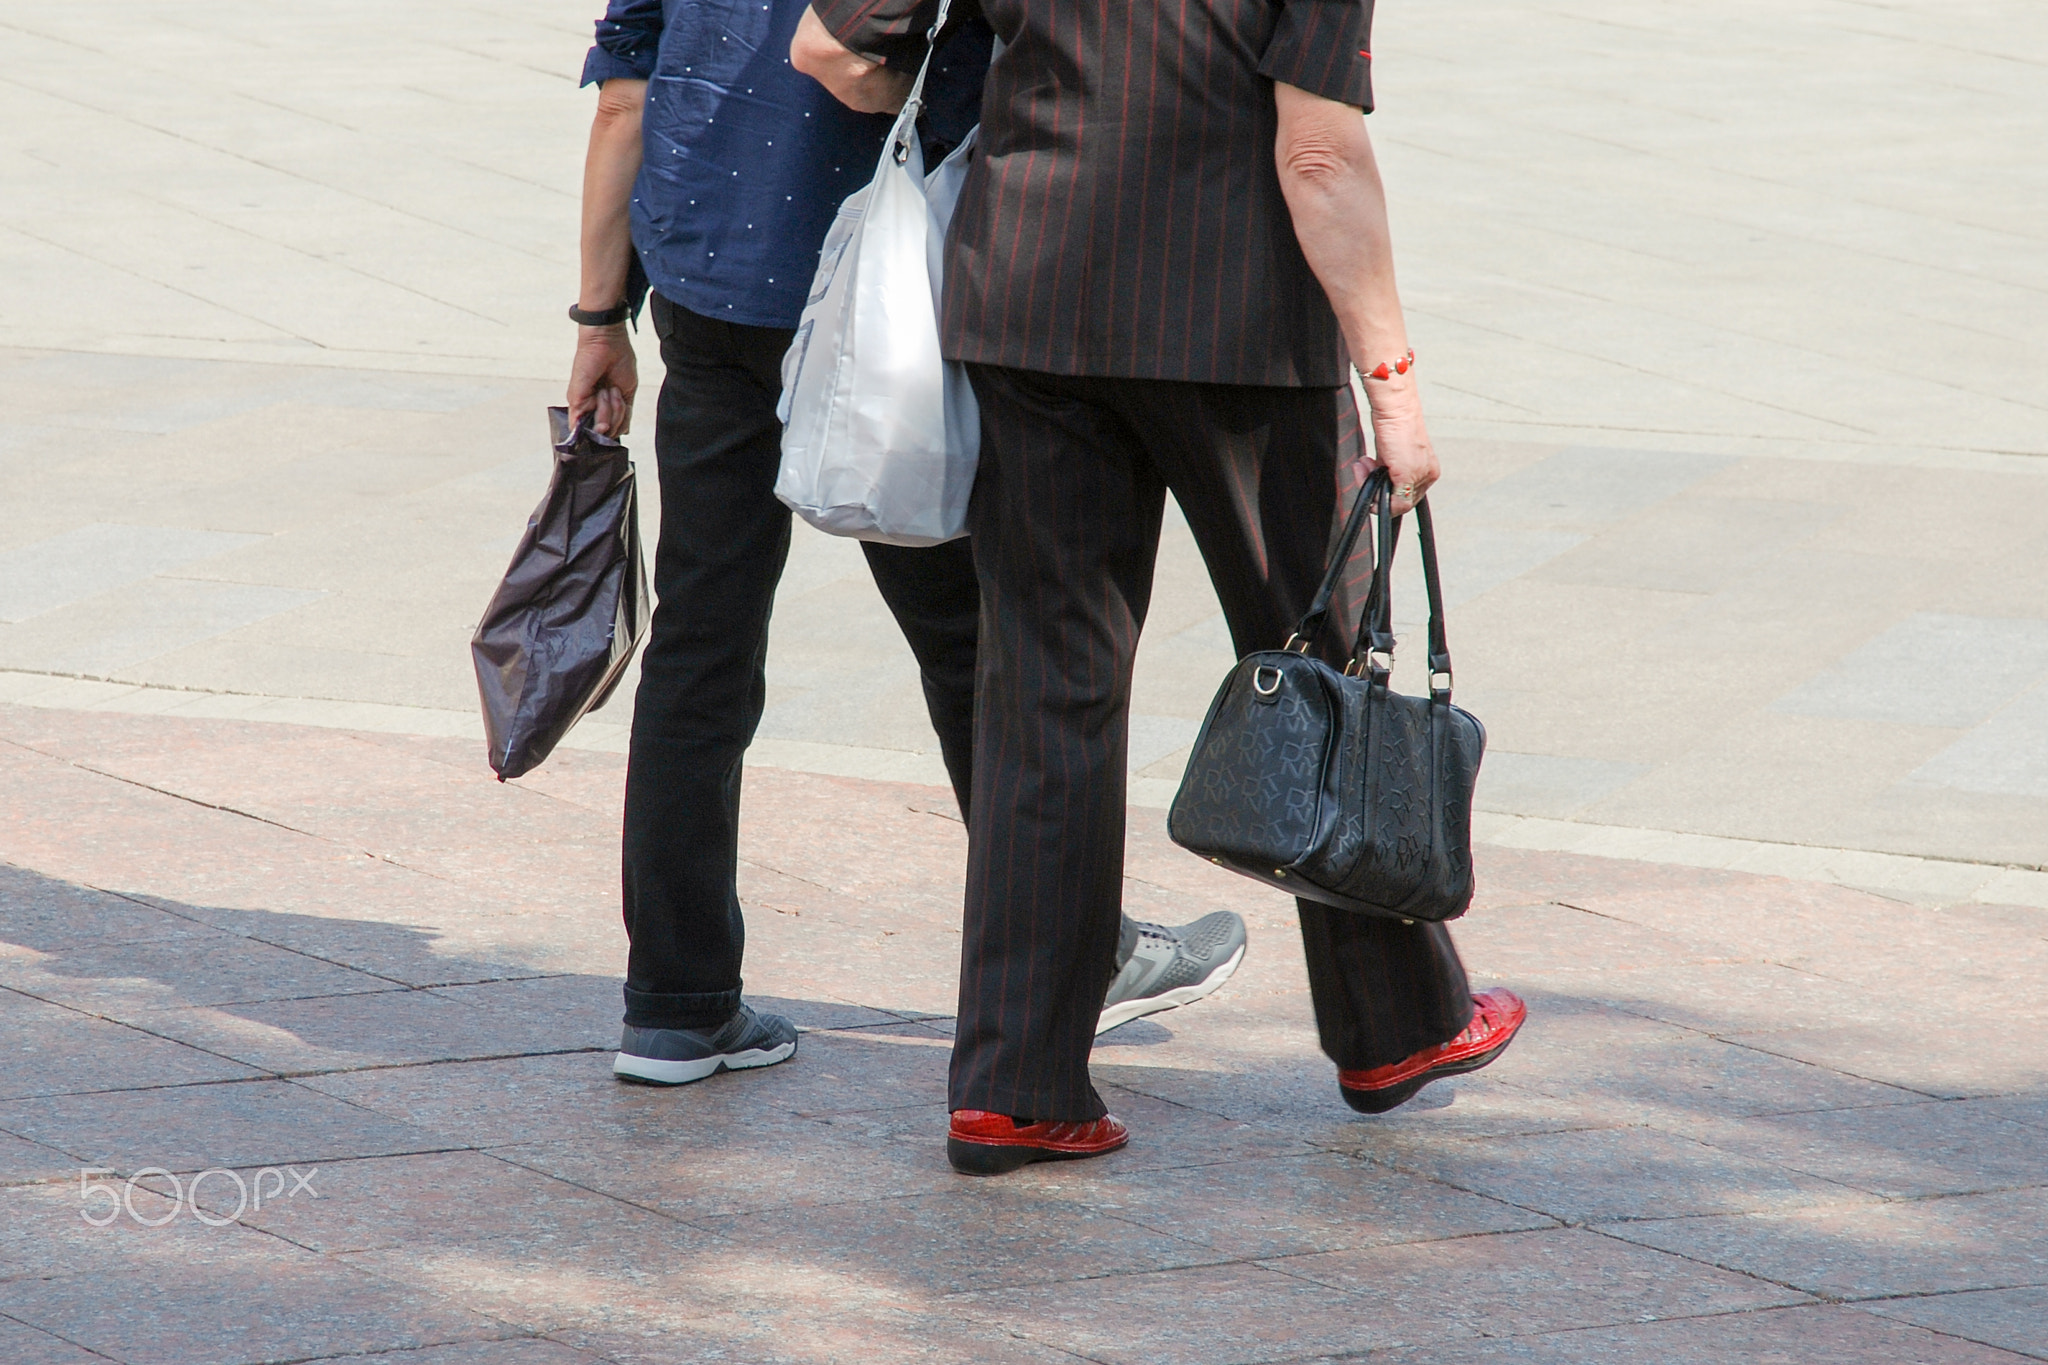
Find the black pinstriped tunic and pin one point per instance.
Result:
(1124, 218)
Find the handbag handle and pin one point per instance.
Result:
(906, 122)
(1375, 641)
(1311, 623)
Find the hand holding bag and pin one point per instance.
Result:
(562, 626)
(880, 435)
(1328, 784)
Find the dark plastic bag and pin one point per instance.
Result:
(563, 625)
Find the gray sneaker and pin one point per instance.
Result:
(677, 1056)
(1162, 968)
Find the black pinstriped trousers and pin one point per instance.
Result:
(1065, 522)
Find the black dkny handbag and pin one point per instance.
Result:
(1326, 783)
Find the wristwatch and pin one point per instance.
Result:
(610, 317)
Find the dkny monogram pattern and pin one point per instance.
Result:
(1327, 783)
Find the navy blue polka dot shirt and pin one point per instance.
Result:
(746, 160)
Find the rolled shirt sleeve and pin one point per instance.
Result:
(1325, 48)
(628, 41)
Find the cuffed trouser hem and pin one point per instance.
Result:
(652, 1009)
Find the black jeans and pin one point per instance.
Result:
(724, 538)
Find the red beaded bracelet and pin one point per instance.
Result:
(1388, 369)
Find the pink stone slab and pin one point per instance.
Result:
(1615, 1173)
(1918, 1246)
(24, 1345)
(1226, 1313)
(2014, 1319)
(51, 1050)
(127, 979)
(1897, 1150)
(194, 1127)
(1780, 1336)
(287, 1305)
(1524, 1282)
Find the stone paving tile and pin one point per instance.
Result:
(28, 1163)
(1730, 997)
(193, 1292)
(1527, 942)
(284, 1307)
(277, 886)
(1899, 1150)
(1482, 1284)
(682, 1276)
(696, 1166)
(126, 979)
(2015, 1319)
(47, 915)
(1614, 1173)
(1820, 1335)
(1165, 1135)
(45, 1232)
(406, 945)
(1239, 1313)
(806, 941)
(788, 1334)
(971, 1236)
(885, 847)
(194, 1127)
(1285, 1206)
(343, 1032)
(453, 1200)
(508, 1351)
(546, 1014)
(1944, 1060)
(1919, 1246)
(2028, 1109)
(570, 1096)
(852, 1070)
(1439, 1292)
(24, 1345)
(53, 1050)
(574, 1096)
(1647, 1071)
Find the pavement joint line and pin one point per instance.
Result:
(214, 806)
(268, 943)
(1736, 1041)
(1937, 879)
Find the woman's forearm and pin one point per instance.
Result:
(1332, 186)
(609, 170)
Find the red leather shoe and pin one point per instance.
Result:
(1496, 1017)
(981, 1143)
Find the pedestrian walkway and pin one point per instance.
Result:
(1731, 335)
(1750, 1119)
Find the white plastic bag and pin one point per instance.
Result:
(880, 436)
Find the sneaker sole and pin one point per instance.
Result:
(651, 1071)
(1125, 1011)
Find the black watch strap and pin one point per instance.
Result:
(610, 317)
